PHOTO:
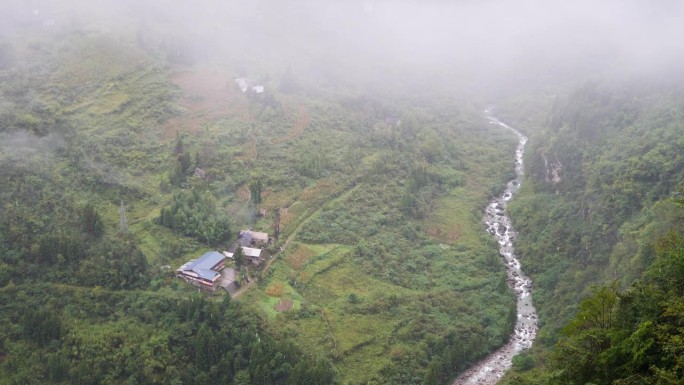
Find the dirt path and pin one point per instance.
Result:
(289, 239)
(302, 118)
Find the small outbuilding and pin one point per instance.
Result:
(243, 84)
(249, 238)
(252, 255)
(229, 280)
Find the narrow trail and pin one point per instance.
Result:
(341, 195)
(489, 370)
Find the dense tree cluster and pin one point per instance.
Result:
(116, 264)
(92, 221)
(194, 214)
(425, 182)
(625, 337)
(184, 163)
(314, 165)
(256, 187)
(114, 261)
(41, 326)
(143, 338)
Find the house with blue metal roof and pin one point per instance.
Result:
(203, 271)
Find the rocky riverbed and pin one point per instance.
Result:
(498, 224)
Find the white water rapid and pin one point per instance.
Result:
(489, 370)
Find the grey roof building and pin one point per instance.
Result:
(203, 270)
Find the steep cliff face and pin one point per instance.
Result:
(553, 170)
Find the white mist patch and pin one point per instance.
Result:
(22, 149)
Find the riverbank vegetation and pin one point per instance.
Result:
(600, 224)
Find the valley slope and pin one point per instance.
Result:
(385, 263)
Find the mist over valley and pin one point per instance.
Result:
(359, 192)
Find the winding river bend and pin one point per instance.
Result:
(489, 370)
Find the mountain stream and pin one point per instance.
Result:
(489, 370)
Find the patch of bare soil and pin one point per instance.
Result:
(284, 305)
(209, 94)
(444, 236)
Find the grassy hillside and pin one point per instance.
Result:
(384, 269)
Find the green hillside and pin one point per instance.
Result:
(137, 136)
(384, 259)
(600, 222)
